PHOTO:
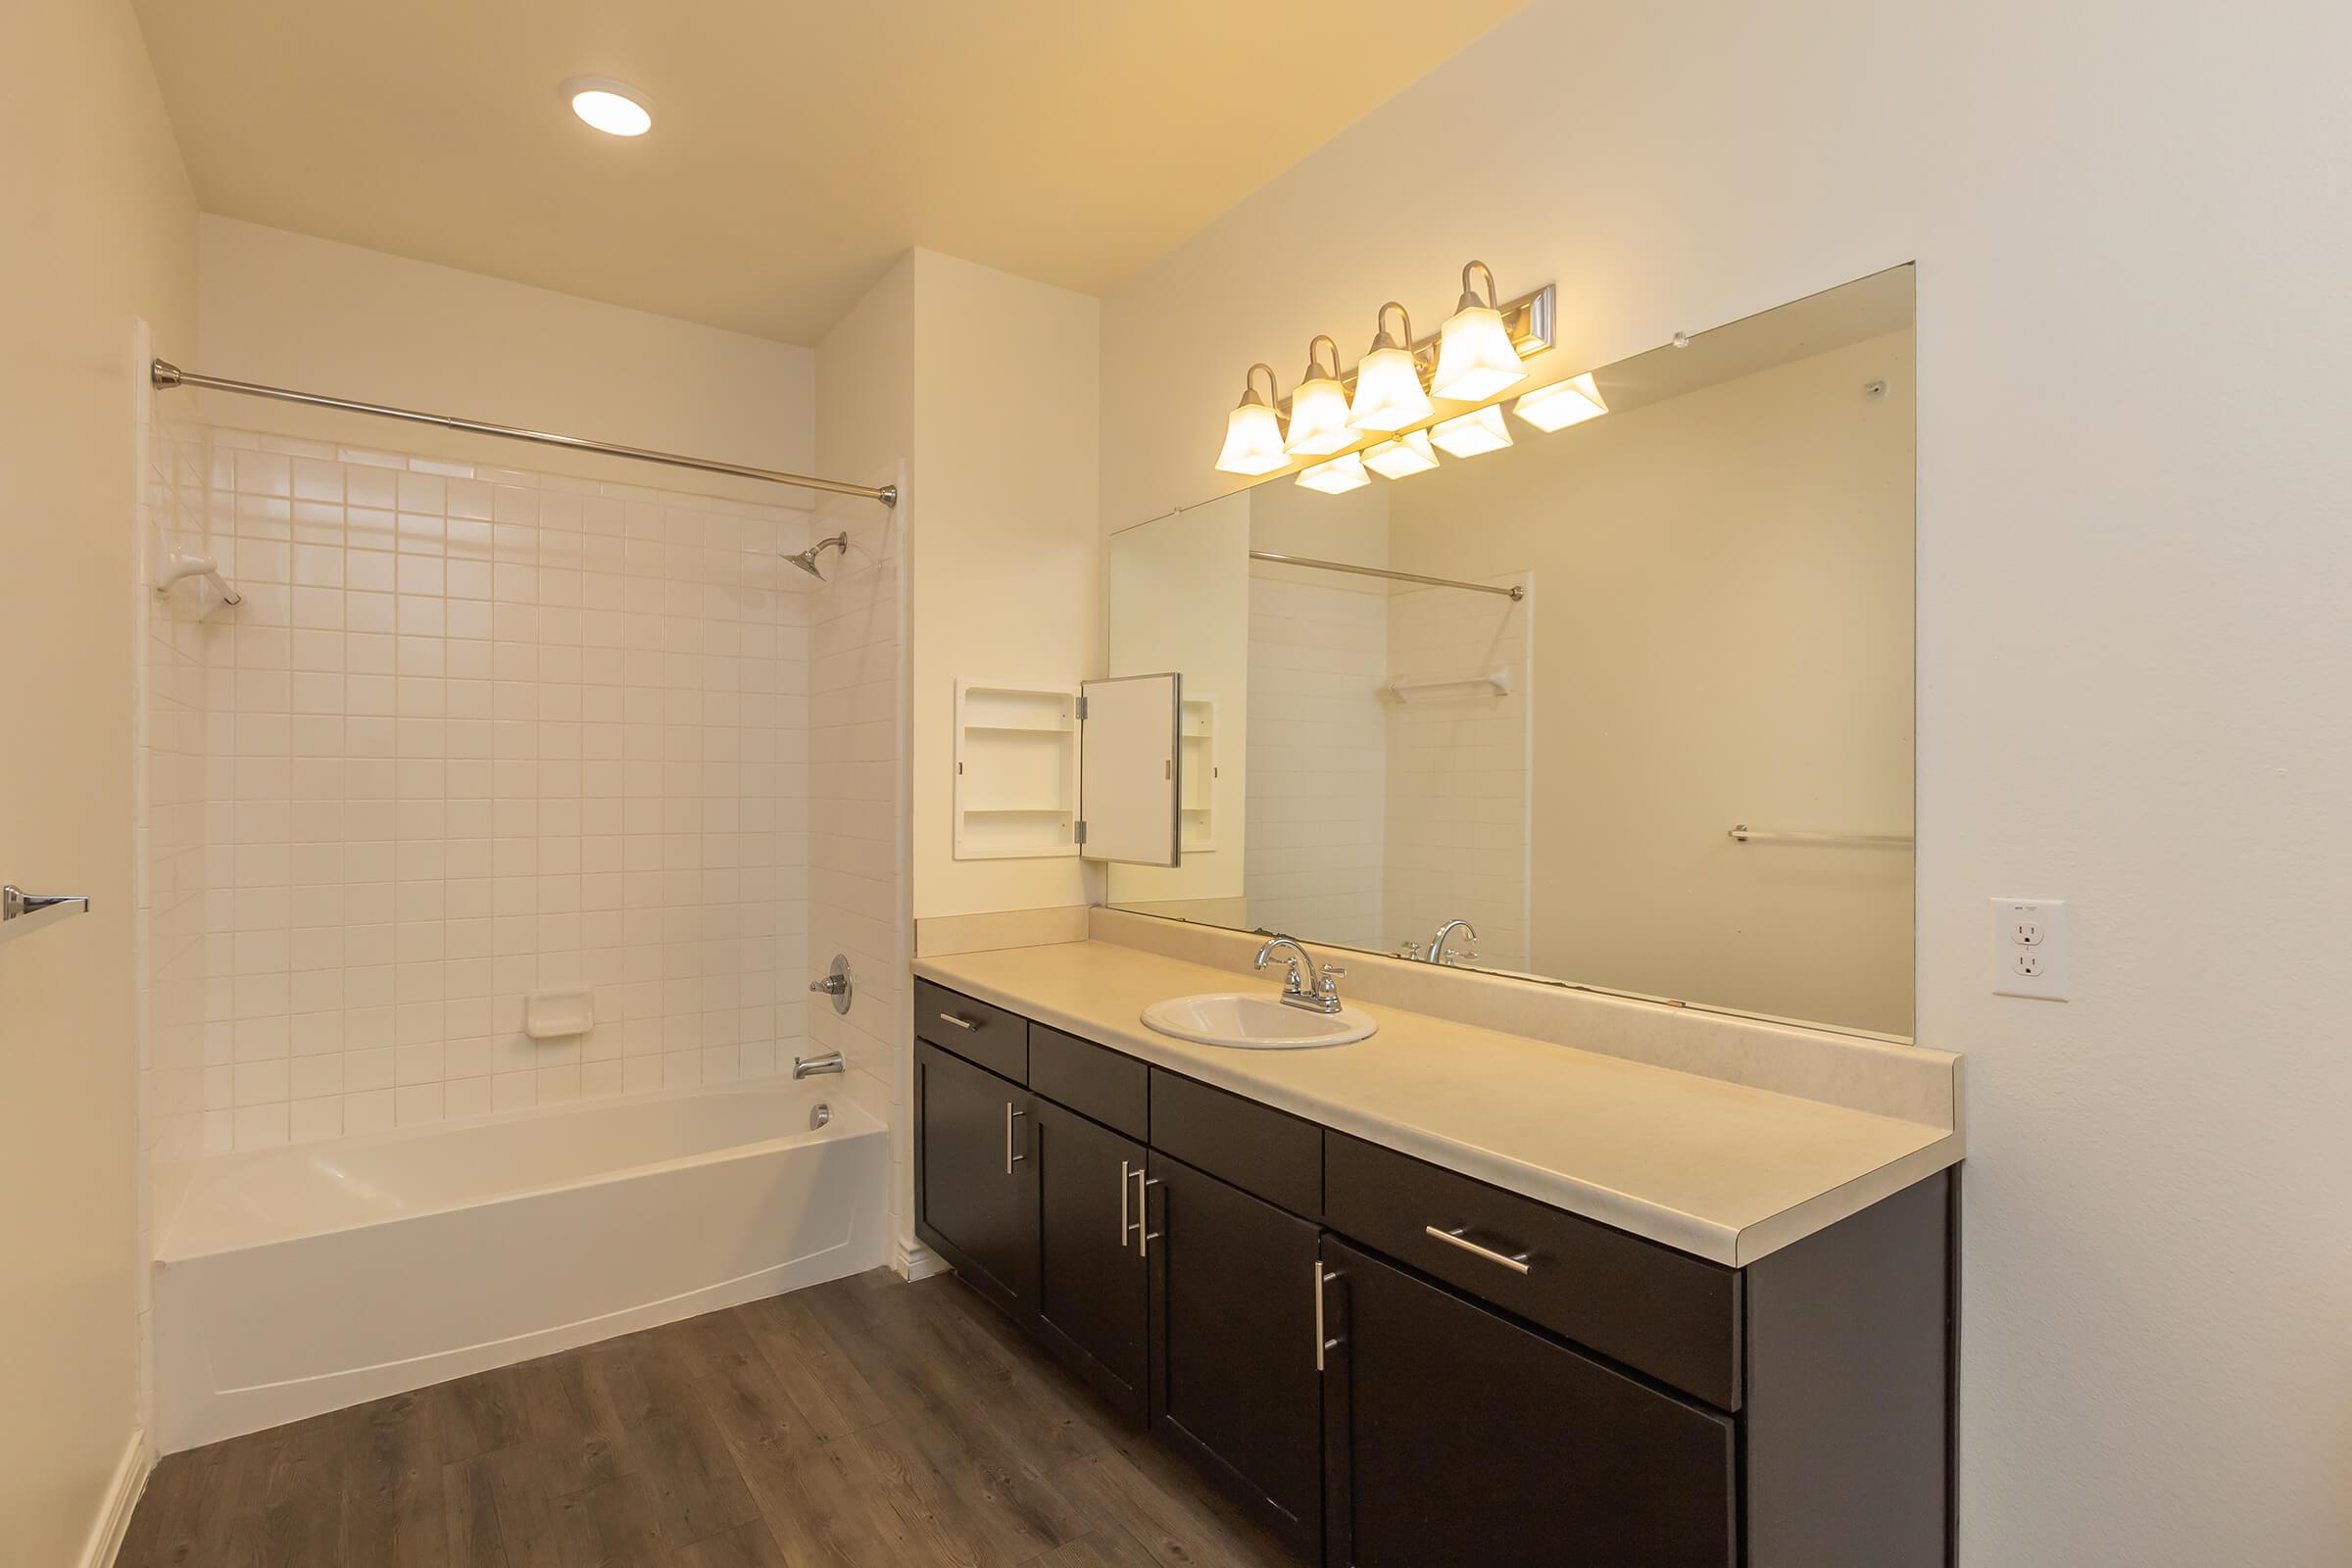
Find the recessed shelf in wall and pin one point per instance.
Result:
(1016, 771)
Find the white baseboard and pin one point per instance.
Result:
(122, 1499)
(915, 1261)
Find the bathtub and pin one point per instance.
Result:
(300, 1280)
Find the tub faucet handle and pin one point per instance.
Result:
(836, 983)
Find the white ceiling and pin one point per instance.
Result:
(796, 149)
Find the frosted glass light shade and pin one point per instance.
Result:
(1388, 392)
(1481, 430)
(1338, 476)
(1407, 455)
(611, 107)
(1562, 403)
(1319, 418)
(1253, 441)
(1475, 355)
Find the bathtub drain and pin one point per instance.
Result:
(822, 1114)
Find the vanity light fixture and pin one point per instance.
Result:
(1468, 435)
(1387, 386)
(1340, 475)
(1562, 403)
(1319, 408)
(611, 107)
(1409, 454)
(1253, 430)
(1475, 355)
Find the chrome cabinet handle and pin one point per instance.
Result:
(1321, 1343)
(1127, 1173)
(967, 1025)
(1010, 1158)
(1144, 1235)
(1516, 1262)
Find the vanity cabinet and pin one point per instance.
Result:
(1453, 1434)
(1395, 1365)
(975, 1186)
(1234, 1384)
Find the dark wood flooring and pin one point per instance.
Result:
(867, 1421)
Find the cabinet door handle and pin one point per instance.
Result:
(970, 1026)
(1127, 1173)
(1010, 1158)
(1516, 1262)
(1322, 1344)
(1144, 1235)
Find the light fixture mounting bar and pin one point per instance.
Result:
(1530, 320)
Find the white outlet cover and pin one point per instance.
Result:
(2031, 952)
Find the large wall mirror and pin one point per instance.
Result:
(1625, 705)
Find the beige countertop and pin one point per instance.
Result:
(1727, 1172)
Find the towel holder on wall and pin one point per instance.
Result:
(21, 913)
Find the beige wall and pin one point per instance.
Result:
(310, 314)
(2133, 650)
(99, 230)
(1723, 616)
(1005, 550)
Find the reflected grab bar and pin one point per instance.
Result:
(1741, 833)
(21, 913)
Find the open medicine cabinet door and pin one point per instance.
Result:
(1129, 786)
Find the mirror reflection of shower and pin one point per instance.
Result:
(807, 558)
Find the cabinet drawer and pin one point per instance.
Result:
(1268, 1152)
(974, 1030)
(1659, 1311)
(1113, 1088)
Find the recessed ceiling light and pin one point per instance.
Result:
(611, 107)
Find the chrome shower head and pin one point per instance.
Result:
(807, 558)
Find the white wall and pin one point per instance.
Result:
(1004, 543)
(2132, 648)
(320, 316)
(97, 228)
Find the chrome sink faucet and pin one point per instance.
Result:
(1437, 952)
(1323, 995)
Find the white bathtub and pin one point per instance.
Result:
(300, 1280)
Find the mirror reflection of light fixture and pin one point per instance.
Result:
(1340, 475)
(1478, 431)
(1401, 458)
(1388, 385)
(1562, 403)
(1319, 408)
(1253, 430)
(1475, 355)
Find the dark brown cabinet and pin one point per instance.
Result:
(1234, 1384)
(1454, 1435)
(975, 1183)
(1395, 1365)
(1091, 1277)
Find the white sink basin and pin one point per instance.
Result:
(1255, 1021)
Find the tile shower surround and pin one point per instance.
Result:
(477, 733)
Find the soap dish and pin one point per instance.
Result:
(558, 1014)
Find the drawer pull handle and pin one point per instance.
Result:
(1322, 1344)
(1010, 1158)
(1126, 1174)
(1516, 1262)
(969, 1026)
(1145, 1235)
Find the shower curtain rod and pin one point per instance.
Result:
(1512, 593)
(167, 375)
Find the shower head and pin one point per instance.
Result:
(807, 558)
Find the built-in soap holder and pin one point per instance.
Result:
(558, 1014)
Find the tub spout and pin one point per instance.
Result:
(830, 1062)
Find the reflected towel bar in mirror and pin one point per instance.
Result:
(1744, 834)
(21, 913)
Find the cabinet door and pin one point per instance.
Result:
(1234, 1385)
(1454, 1435)
(1090, 1276)
(975, 1183)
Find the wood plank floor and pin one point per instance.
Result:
(867, 1421)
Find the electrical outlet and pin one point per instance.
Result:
(2030, 949)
